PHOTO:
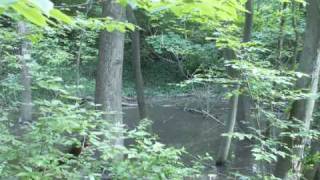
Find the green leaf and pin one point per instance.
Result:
(55, 13)
(1, 10)
(34, 15)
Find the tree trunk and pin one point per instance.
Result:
(136, 63)
(302, 109)
(243, 153)
(226, 142)
(109, 71)
(240, 104)
(281, 29)
(25, 58)
(247, 33)
(296, 33)
(79, 53)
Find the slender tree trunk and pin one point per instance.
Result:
(296, 33)
(281, 29)
(78, 59)
(109, 71)
(243, 152)
(136, 63)
(24, 58)
(226, 142)
(247, 33)
(302, 109)
(240, 104)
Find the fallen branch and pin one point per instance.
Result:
(207, 114)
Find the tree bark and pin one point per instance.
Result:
(25, 58)
(136, 63)
(108, 91)
(302, 109)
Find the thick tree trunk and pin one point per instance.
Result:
(240, 104)
(109, 70)
(302, 109)
(24, 58)
(136, 63)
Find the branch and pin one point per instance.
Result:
(203, 112)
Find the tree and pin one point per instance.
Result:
(226, 142)
(24, 58)
(302, 109)
(108, 91)
(295, 20)
(239, 104)
(281, 29)
(244, 105)
(136, 62)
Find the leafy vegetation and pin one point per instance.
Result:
(67, 68)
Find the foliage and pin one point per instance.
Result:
(191, 54)
(190, 34)
(35, 11)
(204, 11)
(148, 158)
(312, 160)
(40, 151)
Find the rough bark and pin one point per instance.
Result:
(302, 109)
(25, 58)
(109, 71)
(136, 63)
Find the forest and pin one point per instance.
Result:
(159, 89)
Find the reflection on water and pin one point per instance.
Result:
(197, 133)
(180, 128)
